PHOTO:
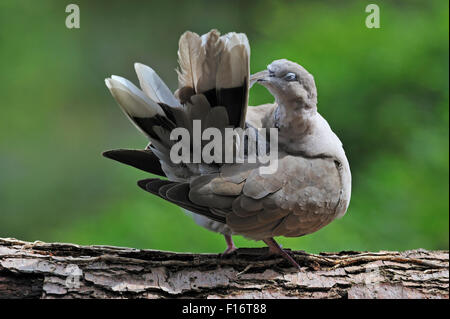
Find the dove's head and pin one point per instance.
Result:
(289, 83)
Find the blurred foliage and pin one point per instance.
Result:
(384, 92)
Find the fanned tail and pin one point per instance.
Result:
(213, 80)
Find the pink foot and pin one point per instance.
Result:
(275, 248)
(230, 245)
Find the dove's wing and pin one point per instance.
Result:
(301, 197)
(177, 193)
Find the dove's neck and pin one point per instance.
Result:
(294, 121)
(303, 130)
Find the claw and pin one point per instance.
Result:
(230, 246)
(276, 249)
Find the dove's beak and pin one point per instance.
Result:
(260, 77)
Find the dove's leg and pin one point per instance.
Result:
(275, 248)
(230, 245)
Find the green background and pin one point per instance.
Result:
(383, 91)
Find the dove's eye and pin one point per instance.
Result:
(290, 76)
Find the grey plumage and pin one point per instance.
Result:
(312, 184)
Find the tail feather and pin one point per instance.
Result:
(153, 86)
(140, 109)
(233, 67)
(188, 54)
(141, 159)
(212, 47)
(232, 79)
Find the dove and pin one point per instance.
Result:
(312, 183)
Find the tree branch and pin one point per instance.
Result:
(54, 270)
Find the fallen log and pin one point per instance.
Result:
(56, 270)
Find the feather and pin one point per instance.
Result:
(232, 78)
(163, 189)
(188, 51)
(211, 49)
(140, 109)
(153, 185)
(233, 69)
(217, 117)
(221, 187)
(258, 186)
(141, 159)
(146, 114)
(198, 108)
(201, 193)
(132, 100)
(143, 183)
(176, 193)
(153, 86)
(237, 173)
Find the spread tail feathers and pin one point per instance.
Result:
(213, 87)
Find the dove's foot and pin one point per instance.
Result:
(230, 246)
(276, 249)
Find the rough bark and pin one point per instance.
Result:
(54, 270)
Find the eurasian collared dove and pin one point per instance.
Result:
(312, 183)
